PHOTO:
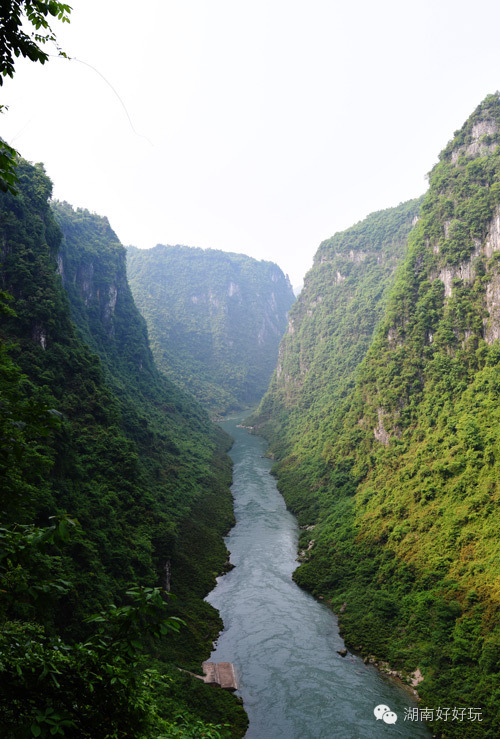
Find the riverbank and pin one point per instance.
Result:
(283, 642)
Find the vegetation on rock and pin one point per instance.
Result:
(330, 330)
(400, 473)
(109, 473)
(215, 319)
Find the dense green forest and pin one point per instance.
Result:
(215, 319)
(393, 458)
(329, 331)
(382, 416)
(115, 490)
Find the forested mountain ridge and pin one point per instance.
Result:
(108, 441)
(330, 328)
(175, 440)
(404, 496)
(215, 319)
(92, 264)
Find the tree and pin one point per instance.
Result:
(15, 17)
(15, 42)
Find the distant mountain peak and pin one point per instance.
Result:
(215, 319)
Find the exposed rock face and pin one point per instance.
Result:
(492, 241)
(398, 465)
(466, 273)
(492, 323)
(92, 265)
(452, 276)
(324, 320)
(379, 431)
(463, 272)
(83, 279)
(478, 146)
(215, 319)
(39, 335)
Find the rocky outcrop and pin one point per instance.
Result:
(215, 319)
(92, 265)
(329, 314)
(479, 144)
(379, 431)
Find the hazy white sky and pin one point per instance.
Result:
(259, 127)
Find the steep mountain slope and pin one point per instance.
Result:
(329, 331)
(115, 445)
(215, 319)
(176, 443)
(405, 498)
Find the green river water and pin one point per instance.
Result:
(282, 642)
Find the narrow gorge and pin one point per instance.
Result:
(388, 445)
(373, 399)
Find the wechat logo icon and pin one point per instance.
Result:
(385, 713)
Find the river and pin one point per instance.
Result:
(282, 642)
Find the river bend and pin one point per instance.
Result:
(282, 642)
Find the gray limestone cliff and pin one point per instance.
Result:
(215, 319)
